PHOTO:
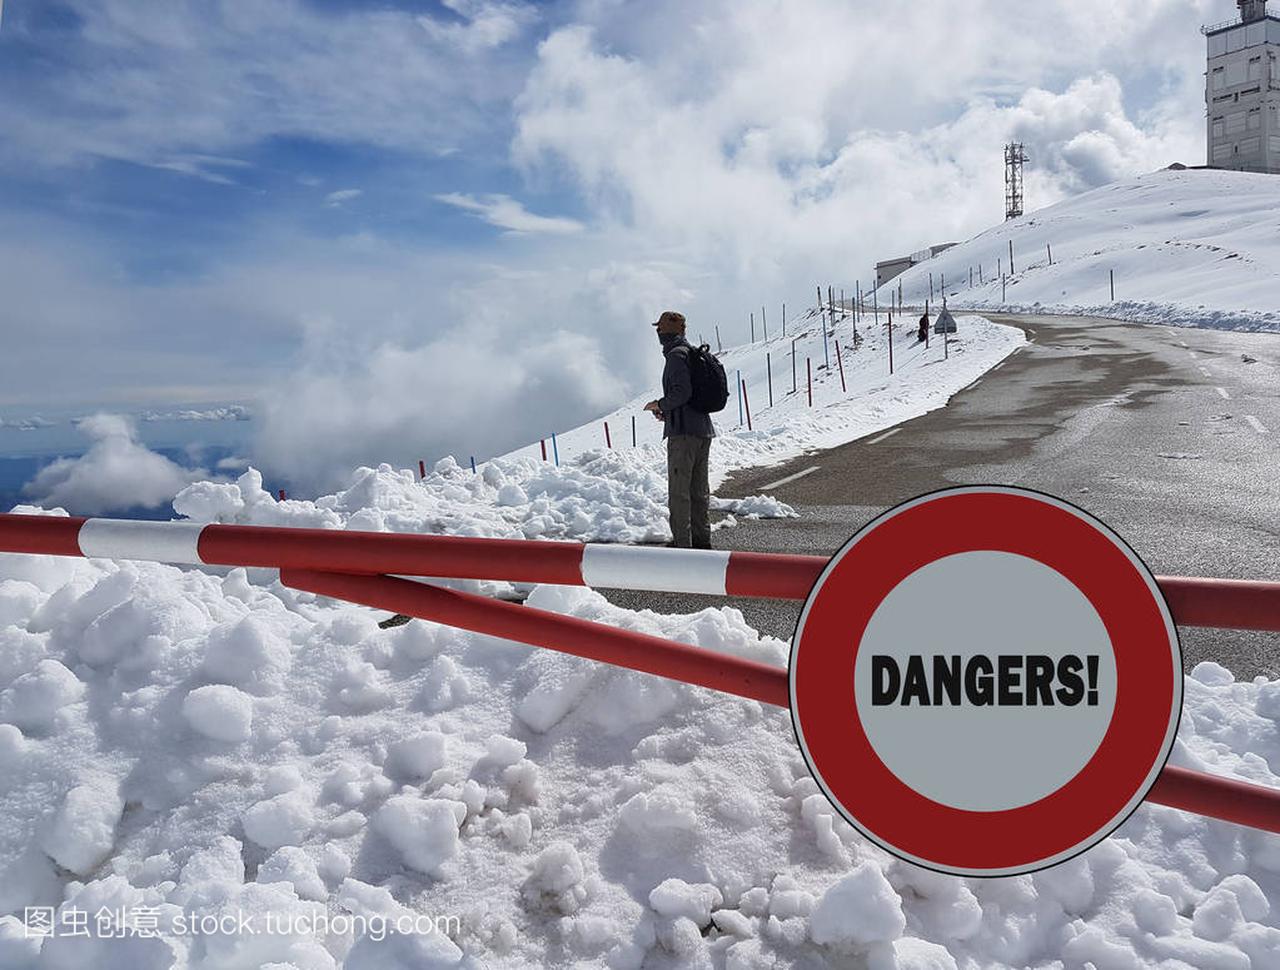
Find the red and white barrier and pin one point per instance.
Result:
(563, 563)
(348, 565)
(1222, 603)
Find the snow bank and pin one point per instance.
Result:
(598, 496)
(869, 400)
(525, 808)
(1190, 249)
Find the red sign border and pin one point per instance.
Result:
(1107, 571)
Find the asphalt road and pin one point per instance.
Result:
(1168, 435)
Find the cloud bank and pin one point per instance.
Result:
(116, 473)
(712, 157)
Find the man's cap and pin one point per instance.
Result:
(670, 322)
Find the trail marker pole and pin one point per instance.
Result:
(1003, 288)
(633, 431)
(793, 365)
(555, 449)
(808, 367)
(1048, 248)
(282, 495)
(857, 300)
(1113, 286)
(891, 342)
(747, 404)
(875, 304)
(1011, 269)
(970, 277)
(739, 398)
(784, 319)
(931, 287)
(843, 314)
(768, 365)
(422, 466)
(608, 441)
(981, 279)
(719, 345)
(999, 267)
(473, 464)
(543, 442)
(753, 328)
(840, 363)
(927, 328)
(764, 322)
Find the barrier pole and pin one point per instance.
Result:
(543, 442)
(608, 441)
(840, 362)
(633, 431)
(554, 631)
(768, 364)
(747, 404)
(808, 369)
(555, 449)
(1228, 799)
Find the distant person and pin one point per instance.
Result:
(693, 386)
(922, 335)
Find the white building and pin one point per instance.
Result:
(1242, 91)
(892, 268)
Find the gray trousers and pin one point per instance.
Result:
(689, 491)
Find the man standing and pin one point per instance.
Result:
(688, 432)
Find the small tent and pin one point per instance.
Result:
(946, 323)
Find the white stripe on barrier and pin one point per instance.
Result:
(660, 569)
(172, 542)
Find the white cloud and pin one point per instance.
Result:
(153, 81)
(724, 154)
(117, 472)
(508, 213)
(342, 195)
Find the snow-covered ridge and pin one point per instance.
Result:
(1188, 248)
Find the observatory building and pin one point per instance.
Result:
(1242, 91)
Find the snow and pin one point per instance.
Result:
(219, 712)
(207, 745)
(870, 400)
(1188, 248)
(633, 822)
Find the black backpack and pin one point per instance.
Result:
(710, 383)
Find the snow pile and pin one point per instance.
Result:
(1189, 248)
(868, 399)
(599, 496)
(421, 797)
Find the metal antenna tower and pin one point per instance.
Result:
(1014, 157)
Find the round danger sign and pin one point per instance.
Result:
(986, 681)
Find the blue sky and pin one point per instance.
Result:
(337, 211)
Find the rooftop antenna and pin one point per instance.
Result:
(1014, 158)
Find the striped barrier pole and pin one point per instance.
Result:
(542, 628)
(1214, 796)
(1231, 604)
(1218, 797)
